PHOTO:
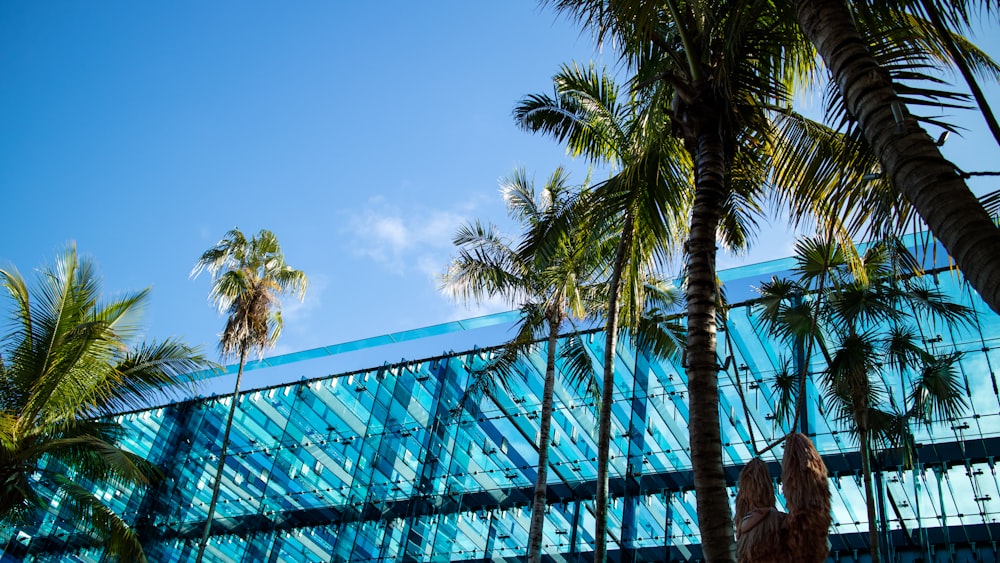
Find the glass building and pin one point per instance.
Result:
(372, 465)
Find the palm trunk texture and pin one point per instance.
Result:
(866, 470)
(908, 155)
(714, 518)
(607, 398)
(545, 429)
(216, 485)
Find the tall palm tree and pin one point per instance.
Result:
(645, 203)
(729, 70)
(908, 155)
(248, 279)
(550, 289)
(867, 325)
(714, 72)
(69, 362)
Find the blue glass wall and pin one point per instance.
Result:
(372, 466)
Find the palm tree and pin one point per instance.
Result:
(68, 363)
(867, 326)
(729, 70)
(908, 155)
(713, 77)
(549, 288)
(248, 279)
(645, 202)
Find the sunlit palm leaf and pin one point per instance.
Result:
(70, 357)
(580, 367)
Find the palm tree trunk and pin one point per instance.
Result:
(866, 470)
(908, 155)
(714, 518)
(607, 396)
(210, 515)
(545, 429)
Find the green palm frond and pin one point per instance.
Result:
(497, 374)
(817, 259)
(19, 499)
(566, 238)
(584, 114)
(120, 540)
(486, 266)
(660, 330)
(849, 373)
(938, 392)
(101, 461)
(248, 278)
(234, 246)
(788, 312)
(786, 392)
(518, 193)
(775, 295)
(888, 428)
(70, 357)
(70, 366)
(151, 369)
(579, 365)
(659, 334)
(553, 271)
(904, 348)
(867, 329)
(662, 295)
(739, 225)
(797, 324)
(959, 24)
(913, 63)
(861, 304)
(935, 308)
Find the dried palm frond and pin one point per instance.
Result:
(766, 541)
(755, 490)
(807, 492)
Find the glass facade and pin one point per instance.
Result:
(373, 465)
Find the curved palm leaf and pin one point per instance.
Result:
(938, 393)
(122, 540)
(786, 392)
(69, 357)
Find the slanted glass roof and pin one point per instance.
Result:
(372, 466)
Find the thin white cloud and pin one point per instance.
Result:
(393, 231)
(416, 242)
(403, 241)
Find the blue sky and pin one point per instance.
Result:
(361, 135)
